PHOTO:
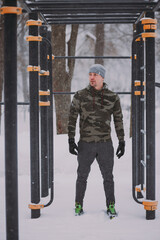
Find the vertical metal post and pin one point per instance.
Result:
(134, 146)
(137, 130)
(140, 112)
(134, 116)
(51, 144)
(10, 99)
(51, 180)
(34, 119)
(141, 116)
(44, 111)
(150, 120)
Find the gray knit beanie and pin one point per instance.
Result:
(98, 68)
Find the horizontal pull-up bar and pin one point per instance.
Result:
(99, 21)
(19, 103)
(92, 57)
(157, 84)
(60, 93)
(56, 93)
(81, 15)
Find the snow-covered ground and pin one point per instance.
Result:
(58, 221)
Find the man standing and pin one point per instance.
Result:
(95, 104)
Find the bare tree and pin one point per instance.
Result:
(22, 52)
(63, 72)
(99, 46)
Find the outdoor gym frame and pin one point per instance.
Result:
(143, 94)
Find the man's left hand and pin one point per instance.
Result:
(120, 149)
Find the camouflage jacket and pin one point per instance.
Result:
(95, 109)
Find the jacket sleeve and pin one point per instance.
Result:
(118, 119)
(73, 115)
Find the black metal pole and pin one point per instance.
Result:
(150, 120)
(19, 103)
(51, 158)
(133, 112)
(34, 119)
(157, 84)
(58, 93)
(93, 57)
(44, 117)
(51, 144)
(136, 102)
(140, 112)
(10, 100)
(141, 117)
(134, 117)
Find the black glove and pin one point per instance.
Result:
(73, 149)
(120, 149)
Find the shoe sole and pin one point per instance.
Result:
(79, 214)
(111, 216)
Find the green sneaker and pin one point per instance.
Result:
(78, 209)
(111, 210)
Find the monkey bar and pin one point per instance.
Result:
(91, 11)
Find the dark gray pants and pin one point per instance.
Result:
(104, 154)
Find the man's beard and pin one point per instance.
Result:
(93, 84)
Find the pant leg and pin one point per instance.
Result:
(105, 159)
(86, 156)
